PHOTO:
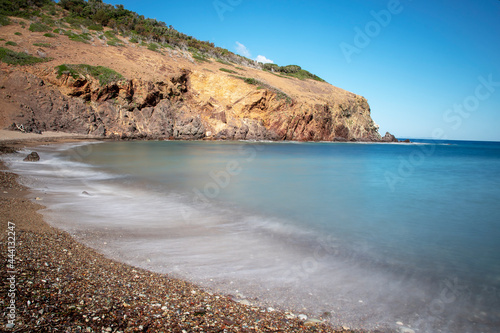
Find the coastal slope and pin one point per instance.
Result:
(165, 94)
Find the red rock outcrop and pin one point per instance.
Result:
(184, 106)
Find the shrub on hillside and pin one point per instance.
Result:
(228, 70)
(95, 27)
(18, 58)
(103, 74)
(39, 27)
(4, 20)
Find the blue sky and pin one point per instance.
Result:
(428, 68)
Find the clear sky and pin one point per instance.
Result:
(428, 68)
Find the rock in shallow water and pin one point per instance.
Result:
(32, 157)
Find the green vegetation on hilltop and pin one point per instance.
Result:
(292, 70)
(25, 9)
(105, 75)
(95, 15)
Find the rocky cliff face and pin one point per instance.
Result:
(186, 105)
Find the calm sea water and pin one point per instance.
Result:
(370, 235)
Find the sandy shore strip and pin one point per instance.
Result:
(58, 284)
(17, 137)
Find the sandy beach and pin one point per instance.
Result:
(57, 284)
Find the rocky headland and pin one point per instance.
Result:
(167, 95)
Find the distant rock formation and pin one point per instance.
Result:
(388, 137)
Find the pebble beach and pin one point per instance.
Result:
(61, 285)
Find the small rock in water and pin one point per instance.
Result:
(269, 309)
(10, 325)
(399, 323)
(86, 193)
(406, 330)
(32, 157)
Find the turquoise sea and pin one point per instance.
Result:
(377, 236)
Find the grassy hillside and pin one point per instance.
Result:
(95, 16)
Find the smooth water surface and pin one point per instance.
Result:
(373, 234)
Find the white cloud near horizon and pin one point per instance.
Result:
(264, 60)
(242, 49)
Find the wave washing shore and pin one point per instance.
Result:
(344, 275)
(61, 285)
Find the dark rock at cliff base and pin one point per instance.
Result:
(33, 157)
(388, 137)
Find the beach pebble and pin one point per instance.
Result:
(302, 317)
(312, 322)
(399, 323)
(9, 326)
(406, 330)
(244, 302)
